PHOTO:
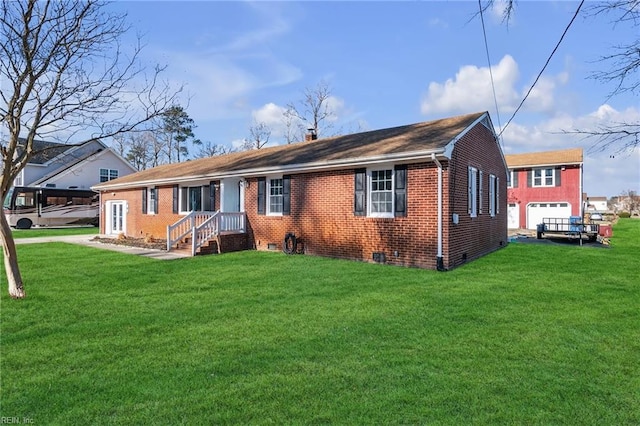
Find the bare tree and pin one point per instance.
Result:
(259, 134)
(314, 111)
(141, 151)
(208, 149)
(291, 126)
(66, 73)
(622, 70)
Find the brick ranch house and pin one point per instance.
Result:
(544, 184)
(429, 195)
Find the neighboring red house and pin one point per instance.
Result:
(544, 184)
(429, 195)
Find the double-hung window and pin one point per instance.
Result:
(493, 194)
(150, 200)
(472, 191)
(153, 201)
(543, 177)
(381, 194)
(276, 196)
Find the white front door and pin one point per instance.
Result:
(116, 219)
(513, 215)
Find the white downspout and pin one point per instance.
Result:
(439, 259)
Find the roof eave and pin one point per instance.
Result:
(538, 165)
(292, 168)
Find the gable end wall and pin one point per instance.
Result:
(474, 237)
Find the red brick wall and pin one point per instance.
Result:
(139, 224)
(322, 213)
(322, 216)
(473, 237)
(568, 191)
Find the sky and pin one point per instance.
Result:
(393, 63)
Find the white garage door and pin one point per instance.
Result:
(538, 211)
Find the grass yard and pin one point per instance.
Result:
(55, 232)
(531, 334)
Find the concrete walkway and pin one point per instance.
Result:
(87, 240)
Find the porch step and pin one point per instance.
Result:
(211, 247)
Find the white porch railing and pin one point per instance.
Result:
(203, 226)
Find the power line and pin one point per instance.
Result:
(486, 47)
(544, 67)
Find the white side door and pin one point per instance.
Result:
(513, 215)
(116, 218)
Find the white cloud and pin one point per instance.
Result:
(606, 173)
(471, 90)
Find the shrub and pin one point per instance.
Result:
(624, 215)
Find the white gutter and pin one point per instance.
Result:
(293, 168)
(439, 260)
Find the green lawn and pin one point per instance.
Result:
(54, 232)
(531, 334)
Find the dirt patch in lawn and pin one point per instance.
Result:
(149, 243)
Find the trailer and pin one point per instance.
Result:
(572, 227)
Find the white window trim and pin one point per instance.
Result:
(268, 195)
(510, 180)
(480, 191)
(472, 191)
(492, 195)
(109, 173)
(370, 187)
(150, 209)
(543, 177)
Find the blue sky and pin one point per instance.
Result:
(393, 63)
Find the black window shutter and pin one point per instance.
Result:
(360, 193)
(144, 200)
(212, 196)
(262, 195)
(529, 178)
(176, 193)
(157, 199)
(400, 191)
(515, 179)
(286, 195)
(558, 172)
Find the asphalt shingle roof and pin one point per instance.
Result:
(419, 137)
(546, 158)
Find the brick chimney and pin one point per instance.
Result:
(311, 135)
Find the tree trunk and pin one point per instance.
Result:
(14, 278)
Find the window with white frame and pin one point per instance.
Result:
(510, 181)
(493, 194)
(381, 193)
(19, 180)
(108, 174)
(153, 201)
(472, 191)
(543, 177)
(480, 191)
(275, 188)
